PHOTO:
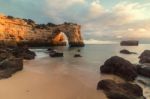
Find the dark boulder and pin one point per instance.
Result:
(120, 67)
(28, 55)
(129, 43)
(77, 55)
(56, 54)
(143, 70)
(23, 52)
(78, 50)
(4, 53)
(10, 66)
(50, 49)
(125, 90)
(124, 51)
(145, 57)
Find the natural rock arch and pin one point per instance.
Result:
(26, 31)
(72, 31)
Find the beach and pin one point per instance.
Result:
(66, 77)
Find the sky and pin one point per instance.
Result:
(102, 21)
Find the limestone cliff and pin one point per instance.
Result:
(27, 31)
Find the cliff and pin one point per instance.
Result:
(28, 32)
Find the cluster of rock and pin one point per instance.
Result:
(26, 31)
(11, 60)
(129, 72)
(56, 53)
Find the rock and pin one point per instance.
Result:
(78, 50)
(129, 43)
(23, 52)
(124, 90)
(4, 54)
(56, 54)
(145, 57)
(77, 55)
(49, 49)
(120, 67)
(124, 51)
(28, 55)
(144, 71)
(10, 66)
(42, 34)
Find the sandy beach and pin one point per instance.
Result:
(54, 82)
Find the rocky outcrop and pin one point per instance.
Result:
(9, 64)
(11, 59)
(120, 67)
(125, 90)
(129, 43)
(145, 57)
(28, 32)
(124, 51)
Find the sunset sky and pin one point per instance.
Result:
(101, 20)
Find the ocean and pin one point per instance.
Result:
(68, 77)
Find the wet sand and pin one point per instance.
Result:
(37, 82)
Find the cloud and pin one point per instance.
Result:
(95, 9)
(130, 10)
(123, 21)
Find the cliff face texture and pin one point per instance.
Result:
(28, 32)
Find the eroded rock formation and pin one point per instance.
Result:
(27, 31)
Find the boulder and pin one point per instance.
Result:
(28, 55)
(143, 70)
(120, 67)
(56, 54)
(124, 51)
(77, 55)
(10, 66)
(124, 90)
(4, 53)
(129, 43)
(49, 49)
(78, 50)
(23, 52)
(145, 57)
